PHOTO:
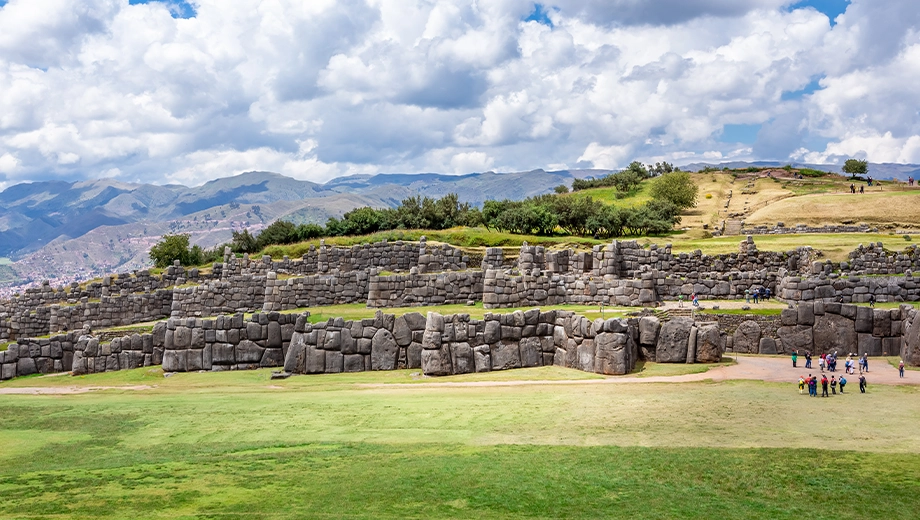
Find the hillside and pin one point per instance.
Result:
(74, 231)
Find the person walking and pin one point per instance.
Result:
(756, 295)
(812, 386)
(801, 385)
(747, 295)
(795, 357)
(696, 301)
(865, 362)
(833, 385)
(807, 359)
(862, 384)
(824, 386)
(900, 367)
(821, 362)
(680, 300)
(843, 383)
(871, 300)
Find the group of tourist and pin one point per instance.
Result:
(758, 293)
(812, 383)
(862, 189)
(829, 361)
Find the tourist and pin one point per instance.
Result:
(900, 367)
(756, 295)
(801, 385)
(862, 189)
(767, 293)
(807, 359)
(812, 386)
(843, 383)
(795, 357)
(833, 385)
(821, 362)
(865, 362)
(862, 384)
(747, 295)
(696, 302)
(871, 300)
(824, 386)
(680, 300)
(852, 188)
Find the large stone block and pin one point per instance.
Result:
(401, 332)
(335, 362)
(648, 330)
(354, 363)
(768, 346)
(462, 361)
(248, 352)
(868, 344)
(806, 313)
(746, 338)
(585, 356)
(833, 333)
(881, 322)
(611, 353)
(26, 366)
(531, 350)
(672, 341)
(709, 344)
(272, 357)
(175, 360)
(864, 319)
(505, 355)
(414, 355)
(493, 332)
(274, 335)
(482, 358)
(384, 351)
(436, 362)
(295, 360)
(798, 338)
(223, 354)
(315, 360)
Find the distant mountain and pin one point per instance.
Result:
(75, 230)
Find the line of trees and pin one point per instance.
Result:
(672, 192)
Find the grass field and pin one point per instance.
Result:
(353, 446)
(357, 311)
(900, 208)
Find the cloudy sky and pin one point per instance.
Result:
(187, 91)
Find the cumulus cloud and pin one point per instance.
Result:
(325, 88)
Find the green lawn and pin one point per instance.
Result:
(354, 446)
(357, 311)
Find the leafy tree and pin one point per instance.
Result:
(308, 231)
(172, 248)
(855, 167)
(562, 188)
(677, 188)
(244, 242)
(278, 232)
(662, 168)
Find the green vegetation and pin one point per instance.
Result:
(854, 167)
(677, 188)
(5, 261)
(755, 311)
(176, 247)
(353, 445)
(650, 369)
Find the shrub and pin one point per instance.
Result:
(709, 195)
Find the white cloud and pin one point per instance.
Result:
(324, 88)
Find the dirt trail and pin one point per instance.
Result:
(772, 369)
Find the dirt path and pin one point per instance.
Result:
(771, 369)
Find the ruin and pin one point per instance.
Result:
(201, 323)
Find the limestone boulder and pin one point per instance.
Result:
(436, 362)
(910, 349)
(648, 330)
(531, 352)
(709, 344)
(672, 341)
(585, 356)
(746, 338)
(462, 361)
(611, 355)
(384, 351)
(832, 333)
(506, 355)
(296, 358)
(800, 338)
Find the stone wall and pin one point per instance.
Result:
(781, 229)
(112, 311)
(849, 289)
(227, 342)
(39, 356)
(821, 327)
(315, 290)
(380, 343)
(240, 293)
(135, 351)
(414, 289)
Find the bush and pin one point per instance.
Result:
(907, 237)
(709, 195)
(677, 188)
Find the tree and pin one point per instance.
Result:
(170, 249)
(278, 232)
(855, 167)
(244, 242)
(562, 188)
(677, 188)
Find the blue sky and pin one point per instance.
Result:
(174, 91)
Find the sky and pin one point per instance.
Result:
(173, 91)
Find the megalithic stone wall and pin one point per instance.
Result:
(227, 342)
(138, 350)
(910, 340)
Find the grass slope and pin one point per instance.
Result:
(352, 446)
